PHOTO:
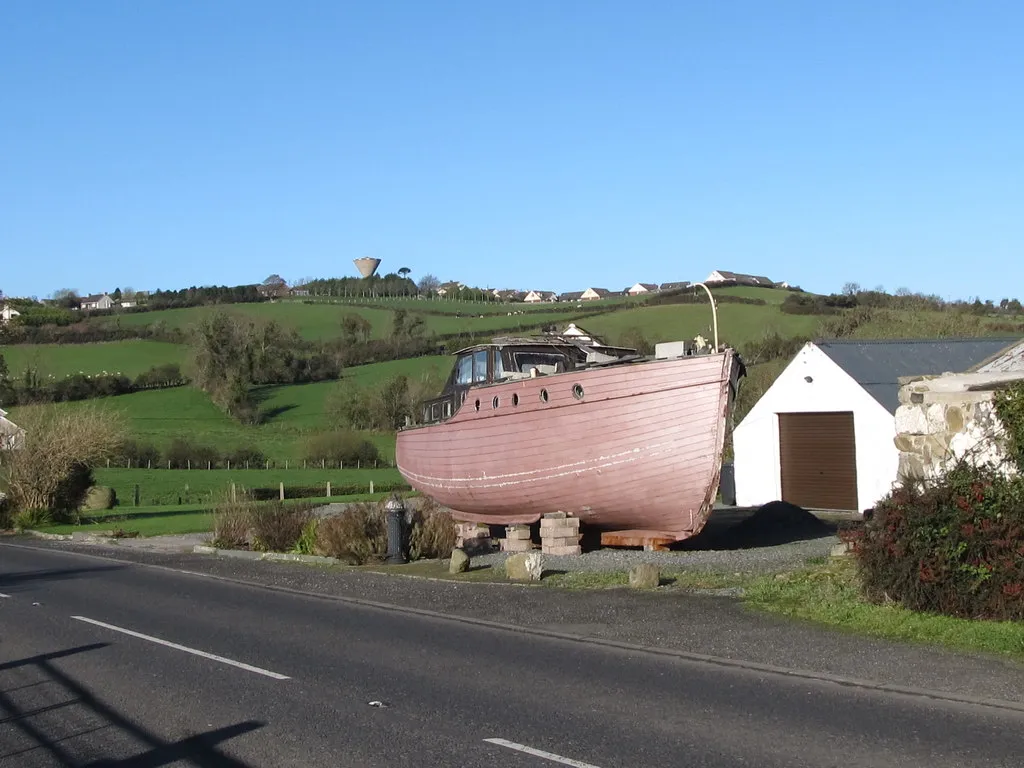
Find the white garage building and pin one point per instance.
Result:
(822, 436)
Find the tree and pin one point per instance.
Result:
(51, 470)
(429, 284)
(851, 289)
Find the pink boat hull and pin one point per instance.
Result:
(641, 449)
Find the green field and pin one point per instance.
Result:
(737, 323)
(200, 486)
(59, 360)
(320, 322)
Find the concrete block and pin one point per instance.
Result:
(566, 550)
(560, 541)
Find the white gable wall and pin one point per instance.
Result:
(757, 459)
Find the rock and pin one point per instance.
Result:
(644, 576)
(99, 498)
(526, 566)
(459, 562)
(842, 549)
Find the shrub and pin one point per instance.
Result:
(231, 522)
(29, 519)
(246, 454)
(433, 532)
(183, 453)
(359, 534)
(139, 454)
(341, 447)
(277, 528)
(952, 546)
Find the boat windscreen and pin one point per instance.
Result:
(527, 360)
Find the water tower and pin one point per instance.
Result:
(366, 266)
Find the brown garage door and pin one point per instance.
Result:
(818, 460)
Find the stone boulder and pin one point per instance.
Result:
(644, 576)
(525, 566)
(459, 562)
(99, 498)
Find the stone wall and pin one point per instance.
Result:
(946, 419)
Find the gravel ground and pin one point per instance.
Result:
(750, 560)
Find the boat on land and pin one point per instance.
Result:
(526, 426)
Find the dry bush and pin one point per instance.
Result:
(358, 535)
(51, 470)
(232, 519)
(277, 528)
(433, 532)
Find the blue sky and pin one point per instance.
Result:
(549, 144)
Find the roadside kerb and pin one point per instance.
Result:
(245, 554)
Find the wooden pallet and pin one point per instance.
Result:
(656, 541)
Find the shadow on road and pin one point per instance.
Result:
(62, 722)
(10, 581)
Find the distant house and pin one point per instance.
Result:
(451, 287)
(720, 276)
(592, 294)
(570, 296)
(8, 313)
(12, 437)
(535, 297)
(639, 288)
(97, 301)
(675, 286)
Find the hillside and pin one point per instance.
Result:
(765, 334)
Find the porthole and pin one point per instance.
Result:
(577, 391)
(478, 405)
(543, 395)
(494, 402)
(515, 398)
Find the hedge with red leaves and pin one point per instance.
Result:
(953, 546)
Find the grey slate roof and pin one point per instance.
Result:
(877, 365)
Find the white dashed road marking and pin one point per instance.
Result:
(540, 753)
(175, 646)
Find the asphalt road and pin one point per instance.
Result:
(109, 664)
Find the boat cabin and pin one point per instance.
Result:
(486, 364)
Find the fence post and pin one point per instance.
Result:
(282, 491)
(328, 489)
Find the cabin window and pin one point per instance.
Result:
(544, 363)
(480, 366)
(464, 371)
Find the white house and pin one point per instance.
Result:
(639, 288)
(822, 436)
(724, 276)
(8, 313)
(12, 436)
(591, 294)
(97, 301)
(535, 297)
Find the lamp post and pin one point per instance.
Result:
(394, 510)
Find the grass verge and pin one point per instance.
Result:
(829, 594)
